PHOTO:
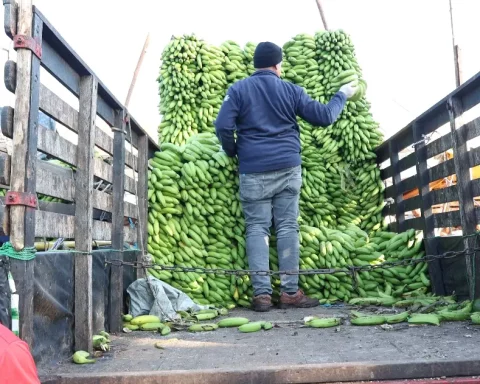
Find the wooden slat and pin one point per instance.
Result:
(104, 171)
(5, 167)
(444, 195)
(116, 275)
(413, 203)
(397, 194)
(439, 146)
(23, 174)
(389, 192)
(65, 114)
(441, 170)
(51, 224)
(416, 223)
(469, 131)
(57, 181)
(466, 212)
(407, 184)
(386, 173)
(142, 196)
(421, 154)
(83, 220)
(447, 219)
(473, 157)
(407, 162)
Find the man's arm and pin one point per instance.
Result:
(319, 114)
(225, 124)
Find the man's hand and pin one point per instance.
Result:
(349, 89)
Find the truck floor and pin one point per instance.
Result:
(287, 344)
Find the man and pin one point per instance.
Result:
(262, 109)
(16, 362)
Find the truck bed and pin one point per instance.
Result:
(289, 352)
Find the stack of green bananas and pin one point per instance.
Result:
(235, 66)
(196, 219)
(249, 50)
(355, 130)
(178, 83)
(211, 82)
(195, 216)
(300, 64)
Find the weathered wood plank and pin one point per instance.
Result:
(413, 203)
(116, 276)
(51, 224)
(23, 171)
(473, 157)
(407, 184)
(407, 162)
(447, 219)
(466, 211)
(425, 196)
(5, 165)
(10, 17)
(439, 146)
(441, 170)
(84, 213)
(142, 197)
(444, 195)
(59, 110)
(416, 223)
(389, 192)
(104, 171)
(385, 173)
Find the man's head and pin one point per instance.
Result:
(268, 56)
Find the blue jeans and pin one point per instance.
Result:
(264, 194)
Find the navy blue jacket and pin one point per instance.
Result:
(262, 109)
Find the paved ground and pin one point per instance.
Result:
(287, 344)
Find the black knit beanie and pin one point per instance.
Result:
(267, 55)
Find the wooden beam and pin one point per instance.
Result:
(322, 14)
(142, 192)
(52, 224)
(423, 182)
(23, 174)
(116, 276)
(84, 213)
(465, 195)
(397, 180)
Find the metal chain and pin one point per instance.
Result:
(327, 271)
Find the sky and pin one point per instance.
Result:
(404, 47)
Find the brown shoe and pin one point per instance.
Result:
(298, 300)
(262, 303)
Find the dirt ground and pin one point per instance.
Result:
(287, 343)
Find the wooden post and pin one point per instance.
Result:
(84, 212)
(23, 177)
(137, 70)
(434, 268)
(456, 51)
(465, 195)
(322, 14)
(116, 276)
(398, 195)
(142, 192)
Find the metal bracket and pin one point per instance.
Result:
(27, 42)
(21, 198)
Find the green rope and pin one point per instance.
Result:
(27, 253)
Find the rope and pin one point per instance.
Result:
(26, 254)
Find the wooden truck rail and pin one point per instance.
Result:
(39, 45)
(450, 110)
